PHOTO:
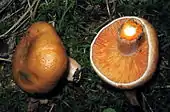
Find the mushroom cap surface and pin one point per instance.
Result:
(124, 71)
(40, 59)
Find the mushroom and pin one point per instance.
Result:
(40, 59)
(124, 53)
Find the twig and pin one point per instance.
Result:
(46, 2)
(162, 87)
(52, 106)
(165, 46)
(146, 102)
(52, 22)
(35, 9)
(8, 16)
(21, 24)
(114, 6)
(21, 18)
(108, 9)
(28, 1)
(164, 67)
(5, 4)
(7, 60)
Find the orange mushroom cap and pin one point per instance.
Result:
(39, 60)
(117, 69)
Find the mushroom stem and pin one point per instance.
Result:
(127, 47)
(129, 37)
(74, 73)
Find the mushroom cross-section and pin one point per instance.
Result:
(124, 53)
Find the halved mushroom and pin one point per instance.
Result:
(40, 59)
(125, 52)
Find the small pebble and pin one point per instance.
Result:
(44, 101)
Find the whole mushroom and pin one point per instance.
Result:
(40, 59)
(124, 53)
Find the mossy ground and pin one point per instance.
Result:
(77, 22)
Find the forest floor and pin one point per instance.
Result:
(77, 23)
